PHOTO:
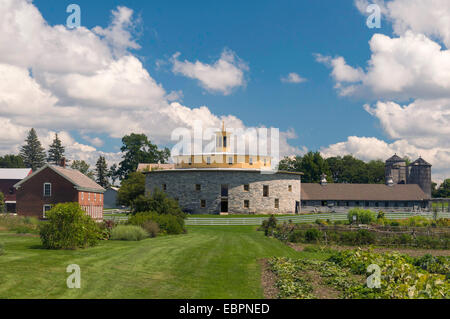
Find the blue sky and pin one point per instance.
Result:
(273, 38)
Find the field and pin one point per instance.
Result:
(224, 262)
(208, 262)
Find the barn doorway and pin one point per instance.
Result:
(224, 206)
(224, 198)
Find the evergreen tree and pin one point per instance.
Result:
(56, 151)
(32, 152)
(102, 172)
(113, 173)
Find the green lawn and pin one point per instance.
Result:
(208, 262)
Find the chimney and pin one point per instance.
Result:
(323, 180)
(63, 162)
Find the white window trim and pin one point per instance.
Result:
(50, 189)
(43, 209)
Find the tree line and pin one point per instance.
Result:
(346, 169)
(137, 148)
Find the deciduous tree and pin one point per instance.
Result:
(11, 161)
(83, 167)
(137, 148)
(131, 188)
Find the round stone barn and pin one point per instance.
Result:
(228, 190)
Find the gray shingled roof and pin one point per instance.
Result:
(420, 161)
(78, 179)
(395, 158)
(362, 192)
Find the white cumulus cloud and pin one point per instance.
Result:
(222, 76)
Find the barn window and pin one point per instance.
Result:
(277, 203)
(208, 160)
(45, 209)
(82, 195)
(290, 188)
(47, 189)
(198, 187)
(190, 160)
(266, 190)
(203, 203)
(246, 187)
(250, 160)
(230, 160)
(164, 187)
(246, 203)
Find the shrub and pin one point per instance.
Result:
(168, 224)
(363, 216)
(20, 224)
(2, 202)
(2, 249)
(128, 232)
(443, 222)
(365, 237)
(158, 202)
(152, 228)
(313, 235)
(297, 236)
(68, 227)
(417, 221)
(106, 227)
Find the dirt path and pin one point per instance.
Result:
(320, 290)
(268, 280)
(408, 251)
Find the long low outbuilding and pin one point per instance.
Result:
(238, 191)
(375, 196)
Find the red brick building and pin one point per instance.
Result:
(51, 185)
(8, 178)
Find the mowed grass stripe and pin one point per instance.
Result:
(208, 262)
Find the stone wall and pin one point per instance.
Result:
(181, 185)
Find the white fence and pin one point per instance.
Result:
(297, 219)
